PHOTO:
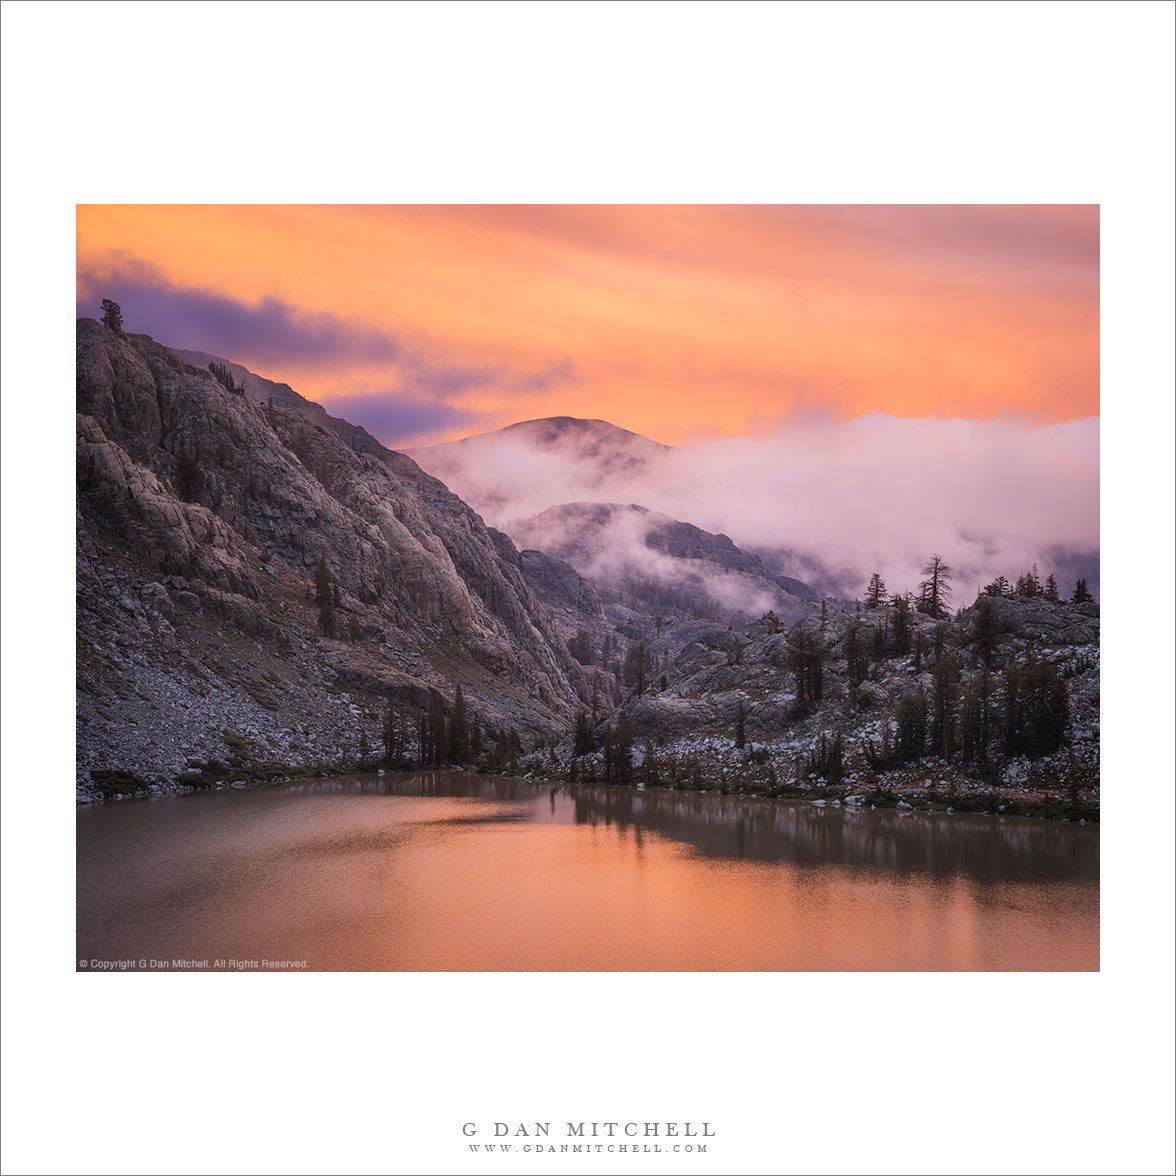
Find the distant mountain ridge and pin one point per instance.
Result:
(639, 556)
(589, 437)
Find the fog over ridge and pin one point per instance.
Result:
(825, 501)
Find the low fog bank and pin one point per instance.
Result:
(636, 556)
(524, 468)
(829, 503)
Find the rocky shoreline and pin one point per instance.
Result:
(1082, 807)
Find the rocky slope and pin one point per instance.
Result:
(689, 718)
(202, 516)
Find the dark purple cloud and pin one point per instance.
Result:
(268, 332)
(275, 335)
(396, 420)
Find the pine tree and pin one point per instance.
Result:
(826, 758)
(112, 316)
(806, 655)
(902, 626)
(943, 700)
(1013, 739)
(224, 377)
(393, 740)
(875, 592)
(1037, 709)
(624, 749)
(649, 765)
(438, 743)
(975, 723)
(936, 588)
(985, 629)
(580, 647)
(189, 478)
(984, 695)
(582, 735)
(325, 591)
(1081, 595)
(507, 750)
(459, 731)
(856, 662)
(1050, 592)
(740, 726)
(911, 720)
(1027, 587)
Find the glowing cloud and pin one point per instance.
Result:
(665, 320)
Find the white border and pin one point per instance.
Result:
(699, 102)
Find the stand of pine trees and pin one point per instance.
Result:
(435, 738)
(1022, 711)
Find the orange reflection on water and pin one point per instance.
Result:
(520, 878)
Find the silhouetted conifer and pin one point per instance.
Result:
(935, 590)
(624, 749)
(902, 625)
(856, 662)
(393, 737)
(911, 720)
(326, 593)
(112, 316)
(189, 478)
(806, 656)
(985, 629)
(459, 731)
(944, 692)
(582, 735)
(826, 758)
(875, 592)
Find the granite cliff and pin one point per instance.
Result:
(207, 508)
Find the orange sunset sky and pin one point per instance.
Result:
(679, 322)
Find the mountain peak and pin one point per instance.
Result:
(585, 457)
(556, 431)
